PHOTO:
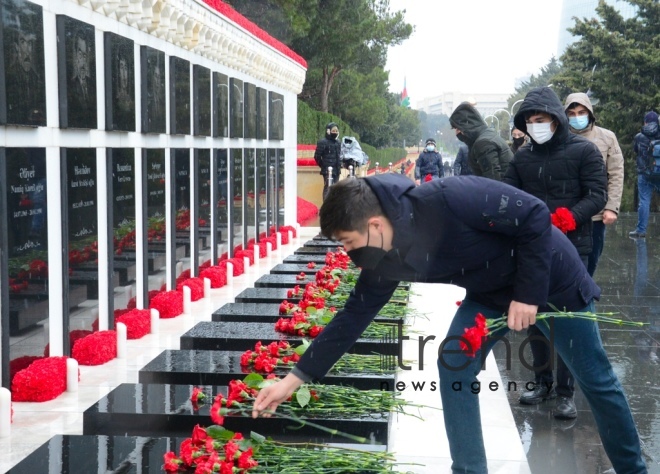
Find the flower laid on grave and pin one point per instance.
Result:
(239, 265)
(137, 321)
(217, 275)
(156, 228)
(217, 450)
(197, 397)
(563, 219)
(196, 286)
(182, 221)
(20, 363)
(44, 379)
(474, 337)
(168, 303)
(266, 358)
(124, 236)
(84, 254)
(96, 349)
(311, 265)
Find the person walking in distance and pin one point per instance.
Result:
(646, 183)
(328, 154)
(429, 163)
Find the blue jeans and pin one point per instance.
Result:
(588, 363)
(645, 189)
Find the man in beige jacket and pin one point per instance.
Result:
(582, 121)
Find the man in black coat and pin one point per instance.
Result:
(461, 167)
(495, 241)
(328, 154)
(566, 171)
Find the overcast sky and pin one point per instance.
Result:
(472, 46)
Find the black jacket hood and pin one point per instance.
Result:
(468, 120)
(543, 99)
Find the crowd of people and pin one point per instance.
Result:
(531, 217)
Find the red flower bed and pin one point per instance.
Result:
(306, 211)
(217, 275)
(132, 302)
(196, 286)
(43, 380)
(287, 228)
(73, 337)
(137, 321)
(19, 364)
(307, 162)
(96, 349)
(245, 253)
(168, 303)
(238, 265)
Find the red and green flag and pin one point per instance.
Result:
(405, 100)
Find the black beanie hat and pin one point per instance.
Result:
(430, 140)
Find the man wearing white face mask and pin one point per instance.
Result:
(567, 172)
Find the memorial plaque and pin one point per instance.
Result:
(119, 83)
(183, 367)
(179, 96)
(122, 163)
(203, 158)
(233, 336)
(316, 258)
(181, 203)
(166, 410)
(279, 185)
(221, 195)
(275, 116)
(236, 111)
(152, 83)
(261, 187)
(271, 186)
(201, 100)
(156, 212)
(220, 105)
(24, 254)
(81, 225)
(250, 104)
(22, 86)
(76, 64)
(249, 186)
(262, 113)
(236, 193)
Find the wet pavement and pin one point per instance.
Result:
(629, 276)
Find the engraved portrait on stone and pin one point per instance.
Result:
(275, 116)
(77, 73)
(23, 82)
(179, 96)
(236, 112)
(153, 90)
(119, 83)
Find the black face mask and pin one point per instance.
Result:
(461, 137)
(334, 136)
(518, 141)
(367, 257)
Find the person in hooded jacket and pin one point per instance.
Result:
(428, 163)
(567, 172)
(328, 154)
(488, 155)
(645, 186)
(461, 167)
(498, 243)
(582, 121)
(518, 139)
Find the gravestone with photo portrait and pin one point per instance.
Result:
(119, 83)
(152, 68)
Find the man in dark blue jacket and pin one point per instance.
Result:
(498, 243)
(429, 163)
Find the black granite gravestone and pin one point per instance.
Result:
(261, 190)
(280, 186)
(294, 268)
(220, 105)
(166, 410)
(236, 109)
(249, 187)
(211, 335)
(204, 367)
(284, 281)
(119, 83)
(220, 198)
(202, 231)
(276, 116)
(179, 96)
(318, 259)
(201, 100)
(154, 175)
(23, 80)
(237, 200)
(76, 65)
(152, 86)
(262, 113)
(250, 110)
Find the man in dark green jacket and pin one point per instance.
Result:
(489, 155)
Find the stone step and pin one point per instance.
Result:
(234, 336)
(198, 367)
(166, 410)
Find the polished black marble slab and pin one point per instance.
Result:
(284, 281)
(294, 269)
(311, 250)
(266, 295)
(166, 410)
(306, 258)
(90, 279)
(232, 336)
(86, 454)
(124, 268)
(330, 245)
(199, 367)
(266, 313)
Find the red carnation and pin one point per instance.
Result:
(428, 178)
(137, 321)
(95, 349)
(43, 380)
(168, 303)
(196, 286)
(563, 219)
(473, 337)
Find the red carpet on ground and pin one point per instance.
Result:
(306, 211)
